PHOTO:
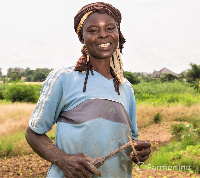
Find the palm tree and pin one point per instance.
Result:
(193, 74)
(196, 84)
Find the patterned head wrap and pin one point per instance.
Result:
(115, 62)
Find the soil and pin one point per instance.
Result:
(34, 166)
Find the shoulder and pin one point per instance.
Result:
(127, 85)
(58, 75)
(61, 73)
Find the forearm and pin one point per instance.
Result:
(72, 165)
(44, 147)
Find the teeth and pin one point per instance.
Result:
(104, 45)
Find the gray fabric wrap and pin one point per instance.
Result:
(96, 108)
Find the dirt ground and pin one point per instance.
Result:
(34, 166)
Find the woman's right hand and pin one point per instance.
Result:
(78, 165)
(72, 165)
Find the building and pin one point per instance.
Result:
(158, 74)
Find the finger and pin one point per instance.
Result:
(93, 169)
(86, 173)
(141, 158)
(88, 158)
(142, 144)
(143, 152)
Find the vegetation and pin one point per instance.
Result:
(20, 92)
(157, 118)
(165, 93)
(183, 153)
(158, 100)
(193, 74)
(16, 74)
(133, 79)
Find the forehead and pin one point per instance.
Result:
(96, 18)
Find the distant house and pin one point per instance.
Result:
(157, 74)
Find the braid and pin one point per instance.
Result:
(89, 68)
(115, 80)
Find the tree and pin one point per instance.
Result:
(0, 72)
(196, 84)
(39, 76)
(9, 71)
(14, 76)
(29, 74)
(193, 74)
(131, 77)
(168, 77)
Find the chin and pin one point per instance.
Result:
(103, 56)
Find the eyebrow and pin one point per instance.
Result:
(97, 25)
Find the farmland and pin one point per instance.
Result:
(159, 105)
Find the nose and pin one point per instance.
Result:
(103, 34)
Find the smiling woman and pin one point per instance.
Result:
(90, 123)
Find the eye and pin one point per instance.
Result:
(92, 30)
(110, 28)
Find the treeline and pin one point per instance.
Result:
(39, 75)
(27, 75)
(191, 76)
(15, 90)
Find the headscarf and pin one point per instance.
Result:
(115, 61)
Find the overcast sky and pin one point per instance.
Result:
(159, 33)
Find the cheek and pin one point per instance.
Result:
(88, 39)
(115, 37)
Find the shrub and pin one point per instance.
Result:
(2, 87)
(20, 92)
(177, 130)
(131, 77)
(157, 118)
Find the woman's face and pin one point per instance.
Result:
(100, 35)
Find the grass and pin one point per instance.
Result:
(15, 144)
(182, 154)
(14, 117)
(146, 113)
(166, 93)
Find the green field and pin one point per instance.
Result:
(177, 98)
(166, 93)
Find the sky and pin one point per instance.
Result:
(159, 33)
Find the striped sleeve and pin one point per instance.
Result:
(48, 107)
(132, 112)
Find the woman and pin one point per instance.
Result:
(92, 103)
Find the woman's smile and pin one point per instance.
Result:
(100, 35)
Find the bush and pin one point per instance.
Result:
(20, 92)
(2, 87)
(178, 130)
(131, 77)
(157, 118)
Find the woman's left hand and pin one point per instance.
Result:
(142, 149)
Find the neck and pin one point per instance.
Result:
(101, 66)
